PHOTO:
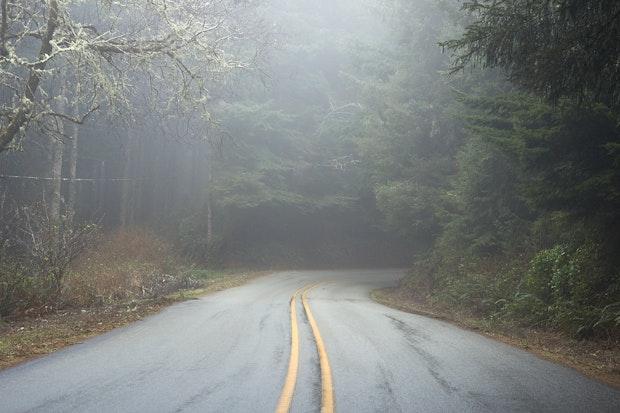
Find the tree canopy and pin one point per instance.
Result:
(477, 141)
(555, 48)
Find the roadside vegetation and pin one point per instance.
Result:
(516, 199)
(119, 278)
(527, 213)
(477, 143)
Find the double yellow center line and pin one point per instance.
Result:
(327, 391)
(286, 397)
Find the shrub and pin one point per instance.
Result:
(20, 291)
(34, 256)
(525, 308)
(570, 288)
(127, 264)
(51, 244)
(538, 281)
(480, 286)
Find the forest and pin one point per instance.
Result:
(477, 143)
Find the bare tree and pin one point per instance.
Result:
(53, 243)
(73, 160)
(127, 187)
(177, 45)
(57, 147)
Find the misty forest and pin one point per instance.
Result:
(147, 146)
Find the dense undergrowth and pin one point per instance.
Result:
(120, 266)
(502, 178)
(568, 288)
(529, 219)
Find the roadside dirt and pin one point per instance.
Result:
(32, 336)
(599, 359)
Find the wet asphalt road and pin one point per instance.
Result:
(228, 352)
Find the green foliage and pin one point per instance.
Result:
(576, 171)
(564, 287)
(20, 290)
(542, 269)
(553, 160)
(487, 214)
(534, 181)
(409, 209)
(193, 242)
(362, 150)
(205, 273)
(555, 48)
(578, 292)
(287, 185)
(523, 197)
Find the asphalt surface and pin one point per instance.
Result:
(228, 352)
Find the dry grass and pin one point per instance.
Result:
(126, 264)
(128, 275)
(597, 359)
(29, 337)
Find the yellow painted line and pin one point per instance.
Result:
(286, 397)
(327, 387)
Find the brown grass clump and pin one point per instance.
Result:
(24, 338)
(127, 264)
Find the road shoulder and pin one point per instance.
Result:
(599, 360)
(26, 338)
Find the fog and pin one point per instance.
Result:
(432, 135)
(250, 161)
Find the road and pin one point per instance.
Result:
(230, 352)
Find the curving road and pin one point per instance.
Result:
(229, 352)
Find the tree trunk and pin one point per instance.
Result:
(73, 159)
(126, 186)
(101, 190)
(209, 223)
(209, 206)
(136, 184)
(56, 147)
(56, 154)
(55, 221)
